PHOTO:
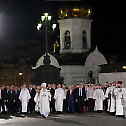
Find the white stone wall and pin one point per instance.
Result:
(75, 26)
(94, 59)
(72, 74)
(110, 77)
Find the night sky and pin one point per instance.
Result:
(19, 18)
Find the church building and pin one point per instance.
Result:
(76, 59)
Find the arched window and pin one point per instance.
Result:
(67, 44)
(84, 40)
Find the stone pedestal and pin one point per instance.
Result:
(73, 74)
(47, 73)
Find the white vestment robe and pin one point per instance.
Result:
(24, 97)
(45, 97)
(119, 105)
(59, 96)
(99, 96)
(37, 101)
(124, 101)
(110, 94)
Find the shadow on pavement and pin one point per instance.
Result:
(9, 116)
(65, 121)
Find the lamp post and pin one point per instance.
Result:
(45, 22)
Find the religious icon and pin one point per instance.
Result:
(67, 40)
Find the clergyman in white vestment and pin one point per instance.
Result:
(37, 101)
(124, 101)
(111, 98)
(45, 97)
(119, 97)
(24, 98)
(98, 96)
(59, 96)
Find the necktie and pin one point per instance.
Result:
(70, 92)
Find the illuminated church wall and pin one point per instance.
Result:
(79, 35)
(73, 74)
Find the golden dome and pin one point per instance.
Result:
(75, 10)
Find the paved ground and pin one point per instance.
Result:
(75, 119)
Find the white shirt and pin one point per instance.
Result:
(80, 91)
(70, 92)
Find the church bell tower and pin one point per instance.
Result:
(75, 27)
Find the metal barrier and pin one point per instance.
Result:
(85, 80)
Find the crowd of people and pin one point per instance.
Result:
(51, 98)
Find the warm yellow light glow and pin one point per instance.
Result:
(82, 10)
(57, 44)
(61, 11)
(49, 17)
(75, 15)
(76, 9)
(20, 74)
(124, 67)
(54, 48)
(89, 11)
(46, 14)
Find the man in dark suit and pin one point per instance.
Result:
(65, 104)
(11, 99)
(70, 99)
(2, 98)
(52, 102)
(31, 101)
(17, 101)
(105, 102)
(81, 97)
(75, 103)
(7, 104)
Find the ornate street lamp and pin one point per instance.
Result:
(45, 23)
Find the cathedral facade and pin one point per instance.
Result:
(76, 59)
